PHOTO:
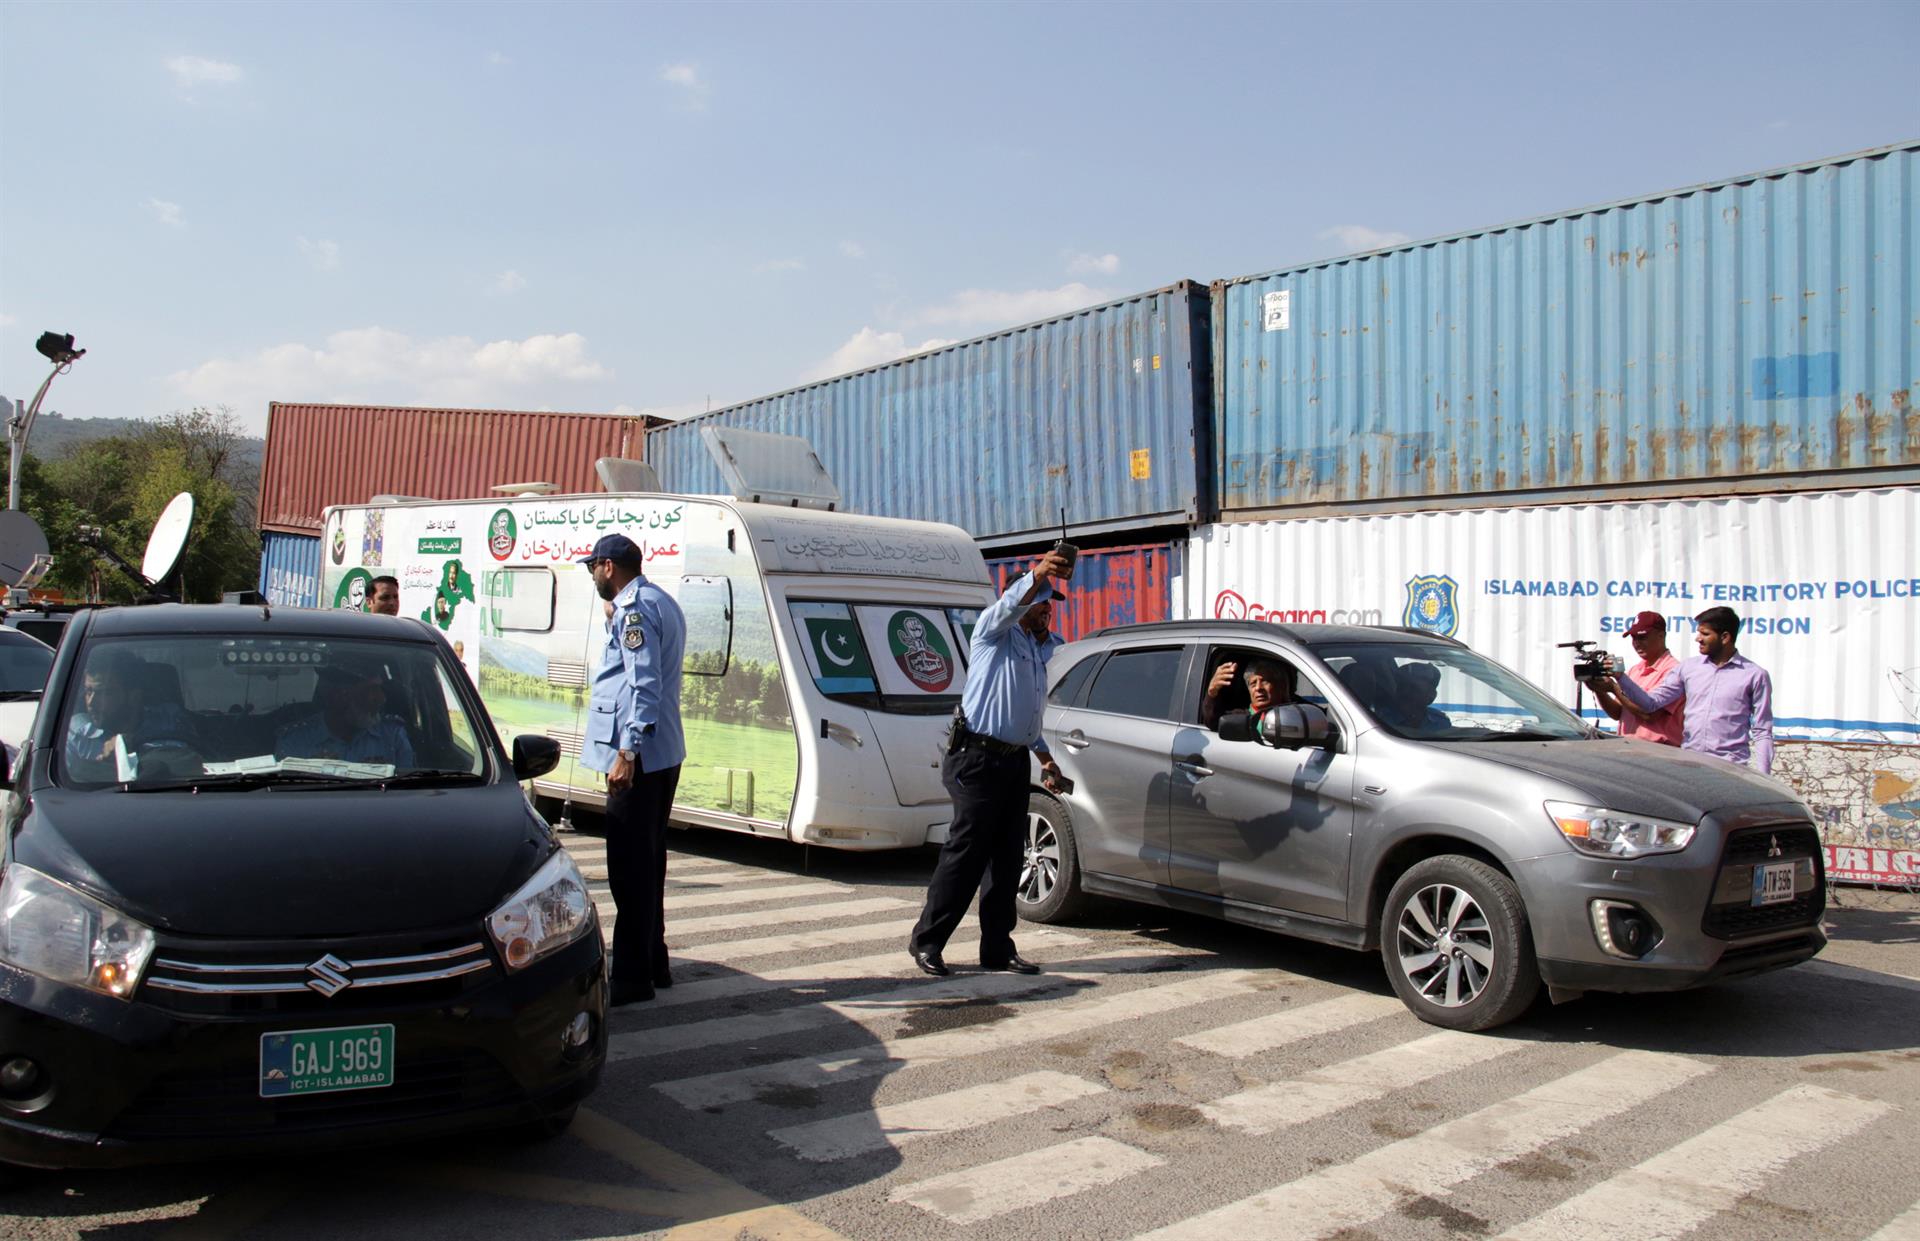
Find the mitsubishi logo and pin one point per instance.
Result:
(1773, 847)
(329, 975)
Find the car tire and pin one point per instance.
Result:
(1049, 888)
(1457, 946)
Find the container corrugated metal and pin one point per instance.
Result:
(317, 455)
(290, 569)
(1110, 586)
(1755, 329)
(1102, 412)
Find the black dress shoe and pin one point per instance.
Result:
(930, 963)
(1015, 964)
(628, 993)
(663, 979)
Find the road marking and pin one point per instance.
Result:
(1246, 1038)
(1682, 1187)
(1902, 1227)
(876, 1012)
(1027, 1180)
(1264, 1109)
(237, 1212)
(1431, 1163)
(818, 911)
(1032, 1026)
(800, 941)
(799, 978)
(748, 895)
(1857, 973)
(891, 1125)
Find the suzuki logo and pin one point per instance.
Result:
(329, 975)
(1773, 846)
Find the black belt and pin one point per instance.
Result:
(970, 739)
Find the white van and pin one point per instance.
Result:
(825, 651)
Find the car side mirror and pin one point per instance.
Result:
(1235, 726)
(534, 755)
(1291, 726)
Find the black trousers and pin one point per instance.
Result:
(983, 850)
(637, 874)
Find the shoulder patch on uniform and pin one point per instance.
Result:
(634, 637)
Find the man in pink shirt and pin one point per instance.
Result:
(1729, 698)
(1648, 633)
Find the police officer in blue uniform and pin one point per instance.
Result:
(986, 773)
(634, 736)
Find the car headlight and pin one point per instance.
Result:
(550, 911)
(59, 932)
(1614, 833)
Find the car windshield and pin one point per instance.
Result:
(1446, 693)
(212, 710)
(23, 667)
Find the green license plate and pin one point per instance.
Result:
(321, 1061)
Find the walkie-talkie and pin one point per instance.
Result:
(1064, 548)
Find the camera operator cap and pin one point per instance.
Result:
(615, 547)
(1646, 622)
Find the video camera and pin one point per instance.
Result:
(1590, 663)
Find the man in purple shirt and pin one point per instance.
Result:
(1729, 698)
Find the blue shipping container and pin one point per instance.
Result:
(1102, 412)
(1737, 333)
(290, 569)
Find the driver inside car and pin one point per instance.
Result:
(352, 725)
(115, 707)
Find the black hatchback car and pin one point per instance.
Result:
(269, 881)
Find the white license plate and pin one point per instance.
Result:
(1773, 882)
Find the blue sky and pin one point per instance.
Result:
(625, 207)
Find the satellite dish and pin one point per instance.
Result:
(21, 541)
(169, 539)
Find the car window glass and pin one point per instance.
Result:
(23, 667)
(1068, 687)
(1426, 690)
(1137, 683)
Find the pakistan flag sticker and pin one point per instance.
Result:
(837, 646)
(920, 651)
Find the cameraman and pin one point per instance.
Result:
(1729, 698)
(1656, 668)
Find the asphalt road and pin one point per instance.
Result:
(1167, 1077)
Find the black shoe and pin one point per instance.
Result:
(930, 963)
(628, 993)
(1015, 964)
(663, 979)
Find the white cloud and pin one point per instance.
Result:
(1355, 238)
(508, 281)
(191, 71)
(991, 308)
(1093, 264)
(865, 348)
(167, 213)
(378, 366)
(693, 88)
(7, 320)
(773, 265)
(853, 250)
(324, 255)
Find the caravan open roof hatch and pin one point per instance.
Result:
(771, 469)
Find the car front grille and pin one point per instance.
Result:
(192, 1104)
(1730, 911)
(234, 978)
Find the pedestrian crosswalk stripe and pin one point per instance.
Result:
(1349, 1195)
(893, 964)
(796, 941)
(1681, 1188)
(1030, 1026)
(1027, 1180)
(891, 1125)
(1902, 1227)
(1264, 1109)
(1246, 1038)
(815, 912)
(748, 895)
(875, 1012)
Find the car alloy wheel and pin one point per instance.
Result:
(1040, 864)
(1446, 945)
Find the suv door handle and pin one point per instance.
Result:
(1191, 764)
(1075, 740)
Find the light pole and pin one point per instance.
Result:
(59, 350)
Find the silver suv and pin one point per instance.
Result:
(1384, 788)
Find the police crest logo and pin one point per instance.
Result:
(920, 652)
(502, 533)
(633, 638)
(1433, 604)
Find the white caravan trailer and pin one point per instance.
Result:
(825, 651)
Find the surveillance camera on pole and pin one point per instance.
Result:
(58, 349)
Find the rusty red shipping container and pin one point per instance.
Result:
(1110, 586)
(319, 455)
